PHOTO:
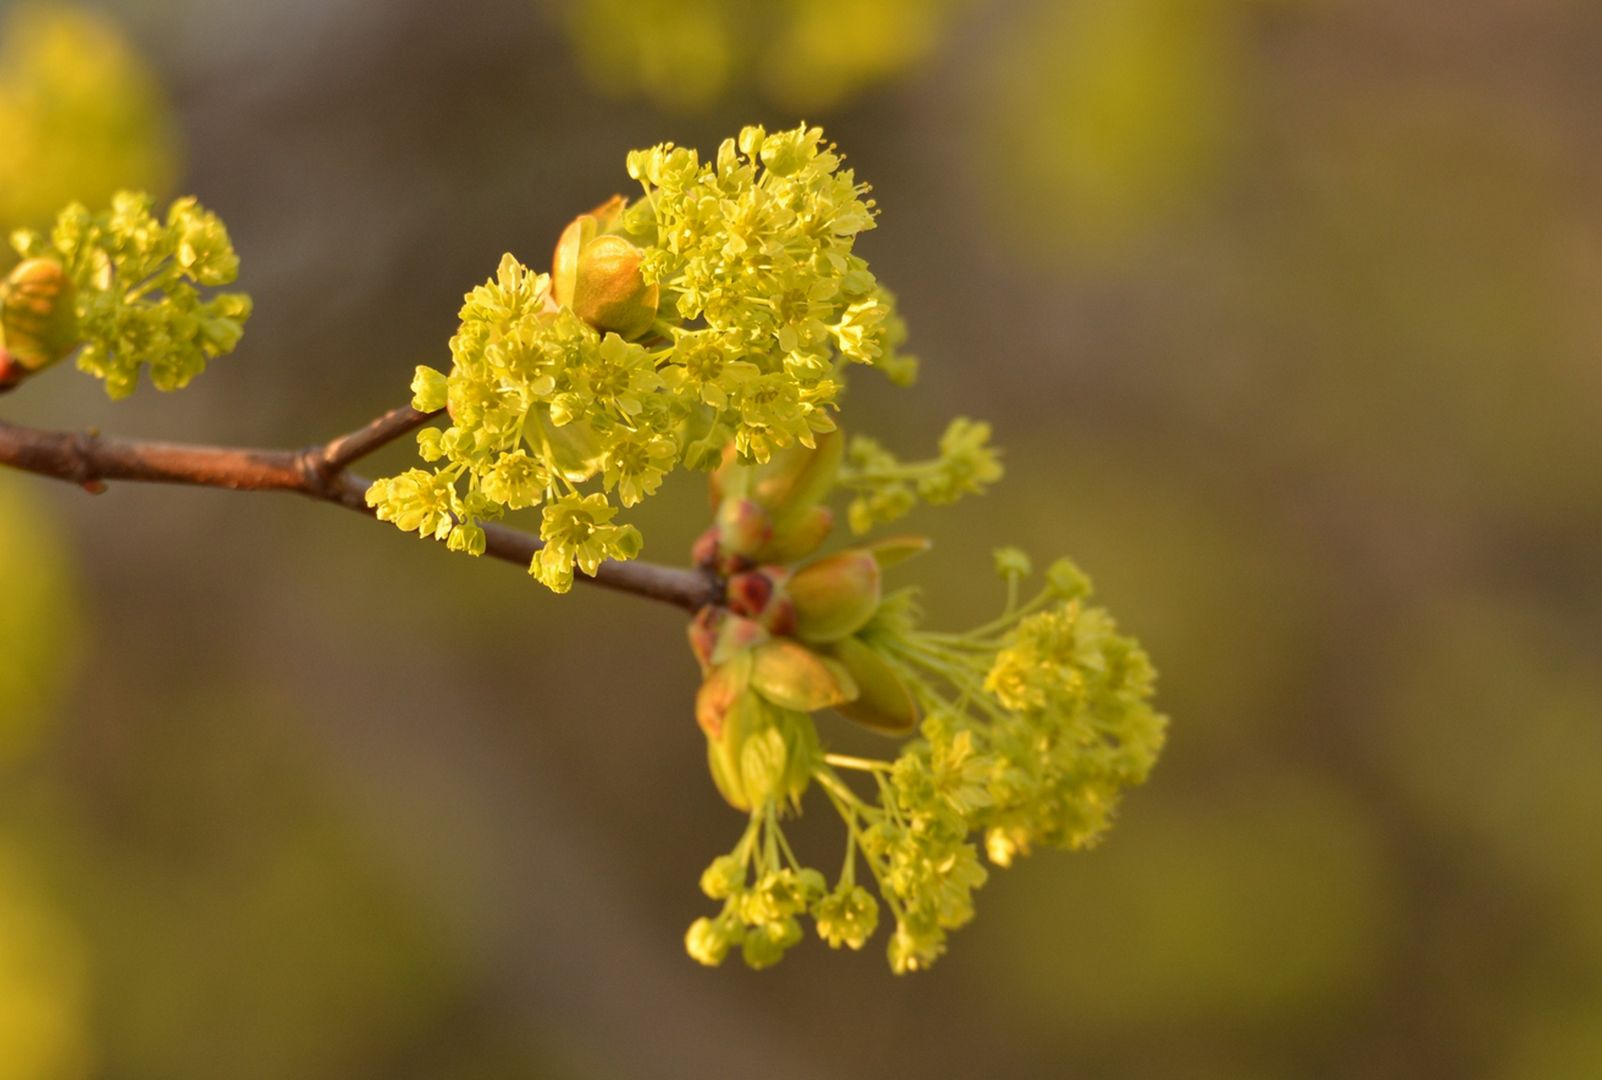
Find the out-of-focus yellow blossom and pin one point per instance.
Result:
(802, 54)
(81, 115)
(43, 982)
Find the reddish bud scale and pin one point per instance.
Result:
(11, 372)
(703, 634)
(749, 593)
(760, 595)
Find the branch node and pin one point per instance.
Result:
(80, 468)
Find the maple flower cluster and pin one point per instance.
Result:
(132, 289)
(719, 308)
(1028, 729)
(709, 324)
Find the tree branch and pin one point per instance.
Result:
(319, 472)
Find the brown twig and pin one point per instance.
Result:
(320, 472)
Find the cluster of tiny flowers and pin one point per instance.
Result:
(765, 892)
(719, 309)
(137, 284)
(886, 488)
(1025, 730)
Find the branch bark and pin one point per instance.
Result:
(321, 472)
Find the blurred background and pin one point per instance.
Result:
(1287, 314)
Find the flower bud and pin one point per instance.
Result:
(598, 275)
(38, 314)
(834, 596)
(764, 945)
(708, 940)
(723, 878)
(883, 701)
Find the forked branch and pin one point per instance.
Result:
(322, 472)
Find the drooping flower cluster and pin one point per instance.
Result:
(719, 309)
(1028, 728)
(128, 287)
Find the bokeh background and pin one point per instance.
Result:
(1287, 313)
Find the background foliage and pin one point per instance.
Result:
(1287, 310)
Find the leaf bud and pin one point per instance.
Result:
(717, 636)
(792, 676)
(803, 535)
(744, 527)
(757, 752)
(834, 596)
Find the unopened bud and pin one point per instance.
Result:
(743, 528)
(792, 676)
(804, 535)
(834, 596)
(38, 314)
(598, 275)
(758, 751)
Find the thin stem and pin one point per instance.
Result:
(347, 450)
(846, 761)
(318, 472)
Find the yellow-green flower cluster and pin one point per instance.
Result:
(887, 488)
(718, 310)
(81, 115)
(1076, 730)
(1032, 725)
(756, 248)
(137, 283)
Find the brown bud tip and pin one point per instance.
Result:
(749, 593)
(11, 372)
